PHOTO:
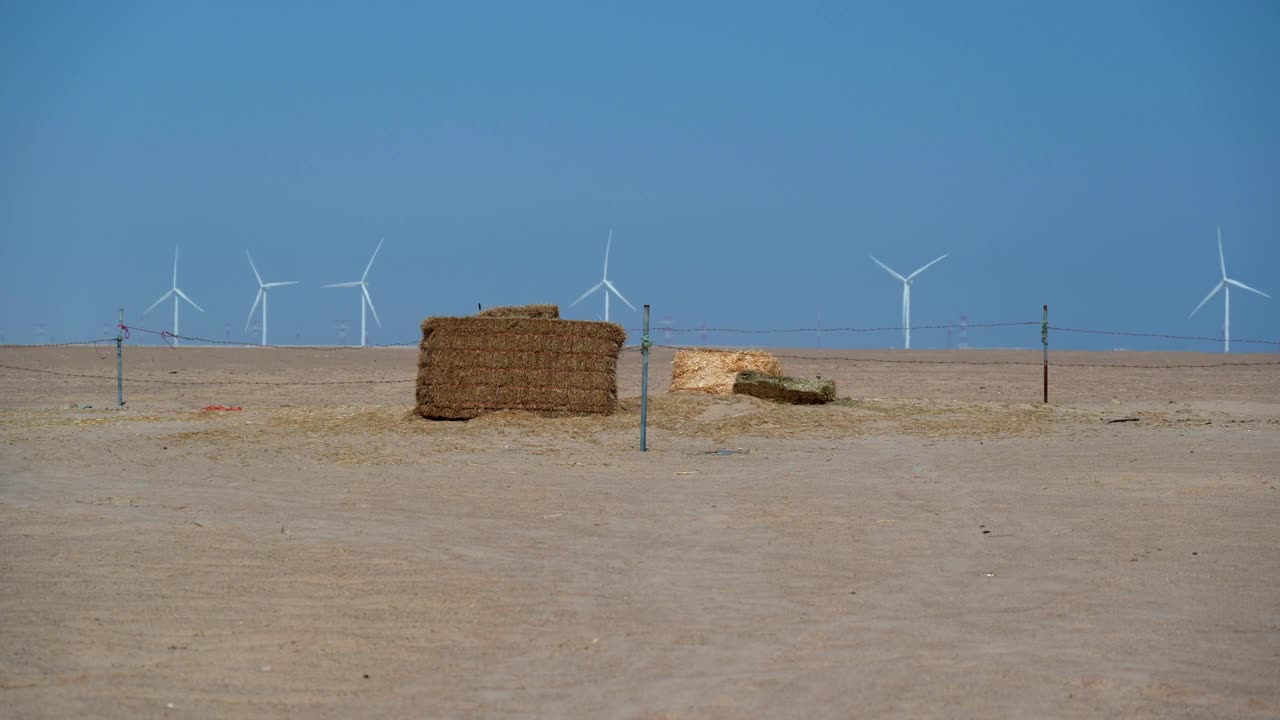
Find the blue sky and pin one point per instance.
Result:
(749, 157)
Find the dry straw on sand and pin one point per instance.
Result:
(713, 371)
(474, 365)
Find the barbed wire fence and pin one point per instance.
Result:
(825, 355)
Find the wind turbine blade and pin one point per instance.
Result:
(278, 284)
(887, 268)
(256, 300)
(370, 266)
(1222, 258)
(154, 304)
(926, 267)
(1212, 292)
(365, 288)
(346, 284)
(175, 266)
(184, 297)
(584, 295)
(615, 292)
(607, 244)
(255, 268)
(1242, 286)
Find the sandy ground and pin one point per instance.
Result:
(942, 545)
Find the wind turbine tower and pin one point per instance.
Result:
(177, 295)
(262, 297)
(1225, 286)
(605, 284)
(906, 296)
(365, 300)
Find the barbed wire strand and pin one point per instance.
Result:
(1165, 337)
(166, 335)
(207, 382)
(237, 343)
(634, 348)
(60, 344)
(771, 331)
(918, 361)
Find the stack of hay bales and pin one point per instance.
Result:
(517, 359)
(714, 371)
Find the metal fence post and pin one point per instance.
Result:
(120, 360)
(1044, 340)
(644, 382)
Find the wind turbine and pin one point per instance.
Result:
(262, 297)
(906, 296)
(1225, 286)
(605, 284)
(177, 294)
(365, 300)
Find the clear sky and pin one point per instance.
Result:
(748, 156)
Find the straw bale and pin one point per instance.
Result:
(464, 338)
(797, 391)
(489, 330)
(473, 365)
(713, 371)
(546, 312)
(517, 375)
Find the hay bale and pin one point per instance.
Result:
(474, 365)
(797, 391)
(546, 312)
(713, 371)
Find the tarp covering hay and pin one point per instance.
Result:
(713, 371)
(797, 391)
(473, 365)
(547, 312)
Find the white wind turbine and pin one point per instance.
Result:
(365, 300)
(605, 284)
(1225, 286)
(262, 297)
(176, 293)
(906, 296)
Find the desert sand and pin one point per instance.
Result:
(941, 545)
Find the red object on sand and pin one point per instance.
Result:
(221, 408)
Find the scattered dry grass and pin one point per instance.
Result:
(395, 434)
(347, 421)
(382, 435)
(722, 418)
(85, 418)
(207, 434)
